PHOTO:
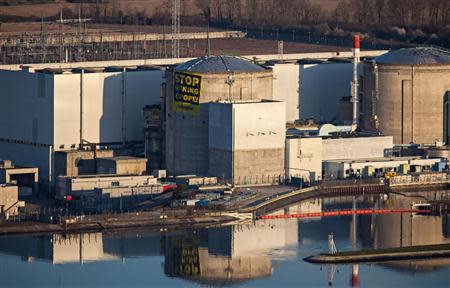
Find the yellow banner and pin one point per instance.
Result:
(187, 93)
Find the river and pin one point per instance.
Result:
(265, 253)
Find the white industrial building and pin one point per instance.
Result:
(309, 157)
(311, 90)
(341, 169)
(113, 185)
(246, 141)
(55, 109)
(304, 158)
(322, 86)
(286, 87)
(356, 147)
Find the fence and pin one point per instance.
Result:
(260, 180)
(350, 182)
(419, 179)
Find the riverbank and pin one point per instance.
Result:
(382, 255)
(118, 221)
(162, 219)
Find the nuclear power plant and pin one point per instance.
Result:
(235, 118)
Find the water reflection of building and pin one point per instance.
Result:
(80, 248)
(229, 254)
(307, 206)
(418, 266)
(406, 229)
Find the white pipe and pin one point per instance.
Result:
(124, 106)
(375, 97)
(50, 170)
(81, 107)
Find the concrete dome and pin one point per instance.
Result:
(219, 64)
(415, 56)
(406, 95)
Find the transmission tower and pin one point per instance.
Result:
(176, 12)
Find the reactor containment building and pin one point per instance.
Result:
(406, 95)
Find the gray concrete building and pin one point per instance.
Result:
(122, 165)
(217, 78)
(26, 178)
(9, 200)
(406, 95)
(78, 162)
(247, 140)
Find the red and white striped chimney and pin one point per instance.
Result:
(354, 84)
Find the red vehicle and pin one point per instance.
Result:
(167, 187)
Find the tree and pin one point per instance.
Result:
(379, 6)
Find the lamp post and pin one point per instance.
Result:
(230, 81)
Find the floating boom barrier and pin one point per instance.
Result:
(344, 213)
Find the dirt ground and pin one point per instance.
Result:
(248, 46)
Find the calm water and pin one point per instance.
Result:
(262, 254)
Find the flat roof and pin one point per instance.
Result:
(92, 176)
(250, 54)
(250, 101)
(193, 177)
(380, 159)
(123, 158)
(293, 133)
(18, 168)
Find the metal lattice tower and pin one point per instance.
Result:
(176, 12)
(331, 245)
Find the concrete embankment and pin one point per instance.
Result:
(382, 255)
(262, 207)
(119, 221)
(329, 189)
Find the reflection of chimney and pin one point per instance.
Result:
(355, 269)
(354, 85)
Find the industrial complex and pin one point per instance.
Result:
(93, 132)
(224, 142)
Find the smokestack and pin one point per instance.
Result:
(356, 41)
(354, 84)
